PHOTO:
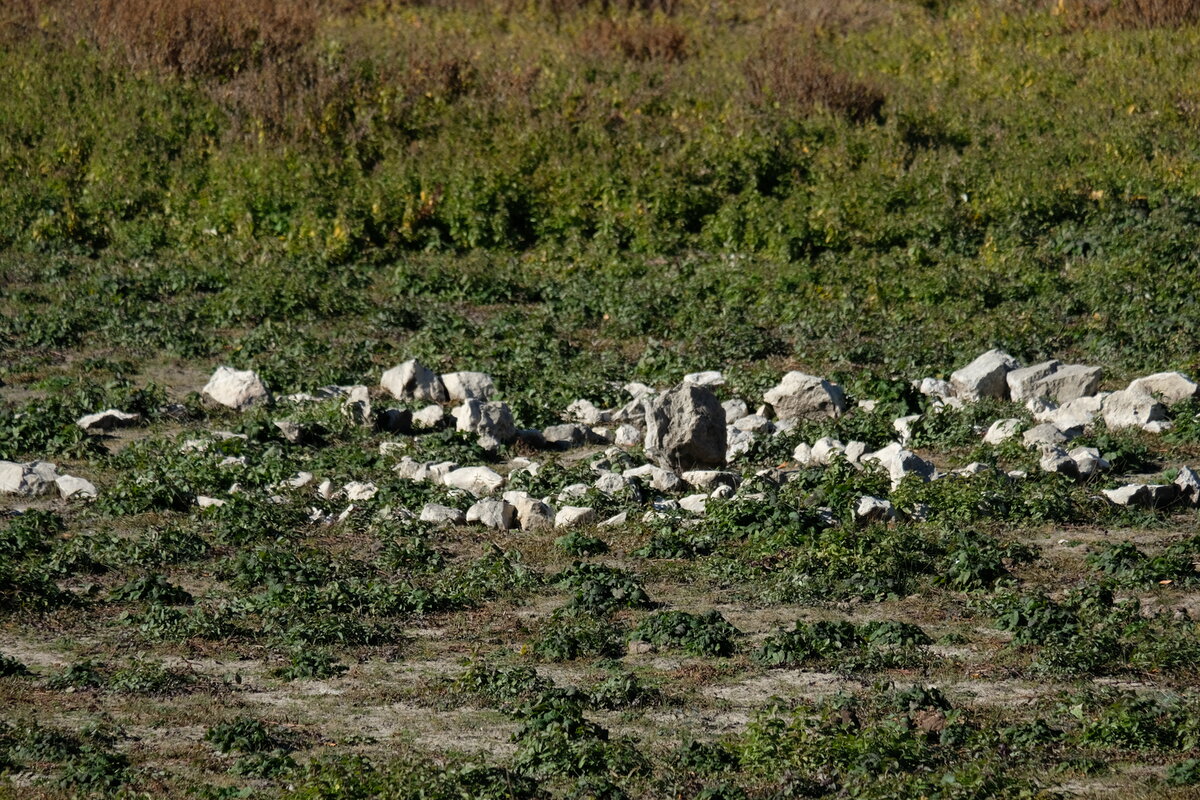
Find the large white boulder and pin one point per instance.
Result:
(801, 396)
(493, 422)
(27, 480)
(984, 377)
(478, 481)
(412, 380)
(685, 428)
(236, 389)
(107, 420)
(1132, 408)
(468, 386)
(1171, 387)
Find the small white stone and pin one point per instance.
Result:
(574, 516)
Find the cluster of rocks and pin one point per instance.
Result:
(41, 477)
(687, 435)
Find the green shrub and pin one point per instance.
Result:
(705, 634)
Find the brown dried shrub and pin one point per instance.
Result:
(1129, 14)
(789, 74)
(636, 39)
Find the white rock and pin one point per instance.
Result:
(1054, 380)
(1189, 486)
(414, 381)
(1047, 434)
(233, 461)
(932, 387)
(1055, 459)
(694, 503)
(874, 509)
(27, 480)
(1071, 381)
(1142, 495)
(1002, 430)
(1088, 461)
(803, 455)
(611, 483)
(209, 502)
(428, 417)
(709, 378)
(357, 405)
(442, 515)
(107, 420)
(325, 489)
(292, 432)
(754, 424)
(572, 491)
(904, 426)
(900, 462)
(737, 442)
(734, 410)
(492, 422)
(494, 514)
(359, 490)
(685, 428)
(984, 377)
(628, 436)
(73, 488)
(1023, 382)
(974, 468)
(438, 471)
(663, 480)
(1171, 387)
(532, 513)
(825, 449)
(710, 479)
(478, 481)
(801, 396)
(300, 479)
(1132, 409)
(722, 493)
(1077, 413)
(585, 411)
(638, 390)
(855, 452)
(574, 516)
(617, 519)
(236, 389)
(1158, 426)
(468, 386)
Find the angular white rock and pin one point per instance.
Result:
(1047, 434)
(574, 516)
(801, 396)
(492, 422)
(360, 490)
(708, 378)
(532, 513)
(1088, 461)
(1132, 408)
(1172, 387)
(1189, 486)
(663, 480)
(932, 387)
(900, 462)
(236, 389)
(874, 509)
(73, 488)
(107, 420)
(428, 417)
(685, 428)
(628, 436)
(825, 449)
(1023, 382)
(1002, 430)
(904, 426)
(412, 380)
(468, 386)
(694, 503)
(711, 478)
(1142, 495)
(28, 480)
(734, 410)
(1055, 459)
(585, 412)
(478, 481)
(494, 514)
(984, 377)
(442, 515)
(754, 423)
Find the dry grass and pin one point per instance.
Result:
(636, 39)
(788, 74)
(1130, 14)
